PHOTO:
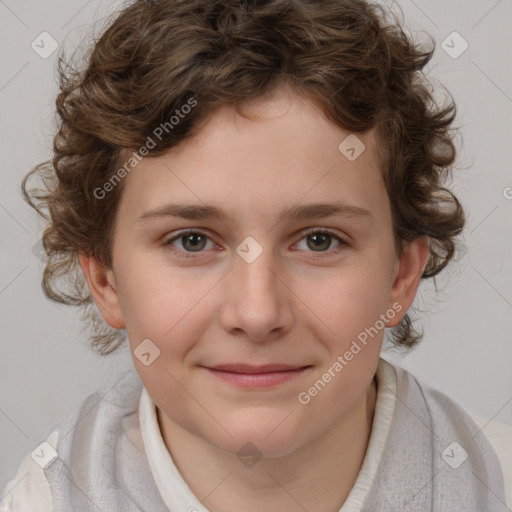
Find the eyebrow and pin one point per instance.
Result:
(303, 212)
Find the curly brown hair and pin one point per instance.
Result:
(352, 57)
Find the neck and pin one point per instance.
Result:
(316, 476)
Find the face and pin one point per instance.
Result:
(247, 310)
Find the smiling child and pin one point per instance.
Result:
(249, 193)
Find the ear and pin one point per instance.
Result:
(103, 288)
(407, 275)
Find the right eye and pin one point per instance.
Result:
(192, 241)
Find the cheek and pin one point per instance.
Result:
(167, 316)
(151, 300)
(349, 300)
(170, 311)
(352, 330)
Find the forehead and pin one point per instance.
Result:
(284, 153)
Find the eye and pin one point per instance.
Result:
(191, 241)
(322, 239)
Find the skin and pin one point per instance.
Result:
(286, 306)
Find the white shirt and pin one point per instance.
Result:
(29, 491)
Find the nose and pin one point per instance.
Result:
(258, 302)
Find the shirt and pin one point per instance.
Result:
(29, 491)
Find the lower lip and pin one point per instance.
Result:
(256, 380)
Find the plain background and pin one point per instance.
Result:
(45, 365)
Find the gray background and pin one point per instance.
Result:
(45, 365)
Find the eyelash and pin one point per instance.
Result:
(310, 231)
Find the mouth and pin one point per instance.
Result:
(249, 376)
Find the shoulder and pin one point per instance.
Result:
(29, 491)
(500, 436)
(92, 422)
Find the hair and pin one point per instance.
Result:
(352, 57)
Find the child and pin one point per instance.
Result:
(258, 128)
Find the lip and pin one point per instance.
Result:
(249, 376)
(249, 368)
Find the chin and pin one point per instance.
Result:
(268, 434)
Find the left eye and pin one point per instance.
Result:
(321, 239)
(195, 241)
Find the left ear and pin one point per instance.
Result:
(407, 275)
